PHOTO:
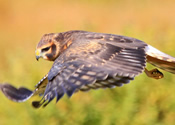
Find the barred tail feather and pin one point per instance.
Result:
(160, 59)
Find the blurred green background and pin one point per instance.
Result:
(142, 102)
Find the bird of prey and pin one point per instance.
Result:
(88, 60)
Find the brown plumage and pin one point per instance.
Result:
(86, 60)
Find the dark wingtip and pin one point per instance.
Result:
(36, 104)
(45, 104)
(70, 92)
(14, 94)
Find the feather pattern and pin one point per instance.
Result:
(94, 61)
(88, 60)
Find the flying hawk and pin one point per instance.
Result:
(87, 60)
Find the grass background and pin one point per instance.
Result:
(142, 102)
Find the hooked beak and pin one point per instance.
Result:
(38, 54)
(37, 58)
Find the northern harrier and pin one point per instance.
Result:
(87, 60)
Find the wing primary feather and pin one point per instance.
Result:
(58, 96)
(70, 88)
(38, 104)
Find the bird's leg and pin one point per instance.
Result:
(154, 73)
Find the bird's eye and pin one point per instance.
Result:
(45, 49)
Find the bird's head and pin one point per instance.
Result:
(49, 47)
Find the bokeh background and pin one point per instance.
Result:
(142, 102)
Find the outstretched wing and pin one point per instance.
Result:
(94, 60)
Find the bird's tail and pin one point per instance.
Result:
(160, 59)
